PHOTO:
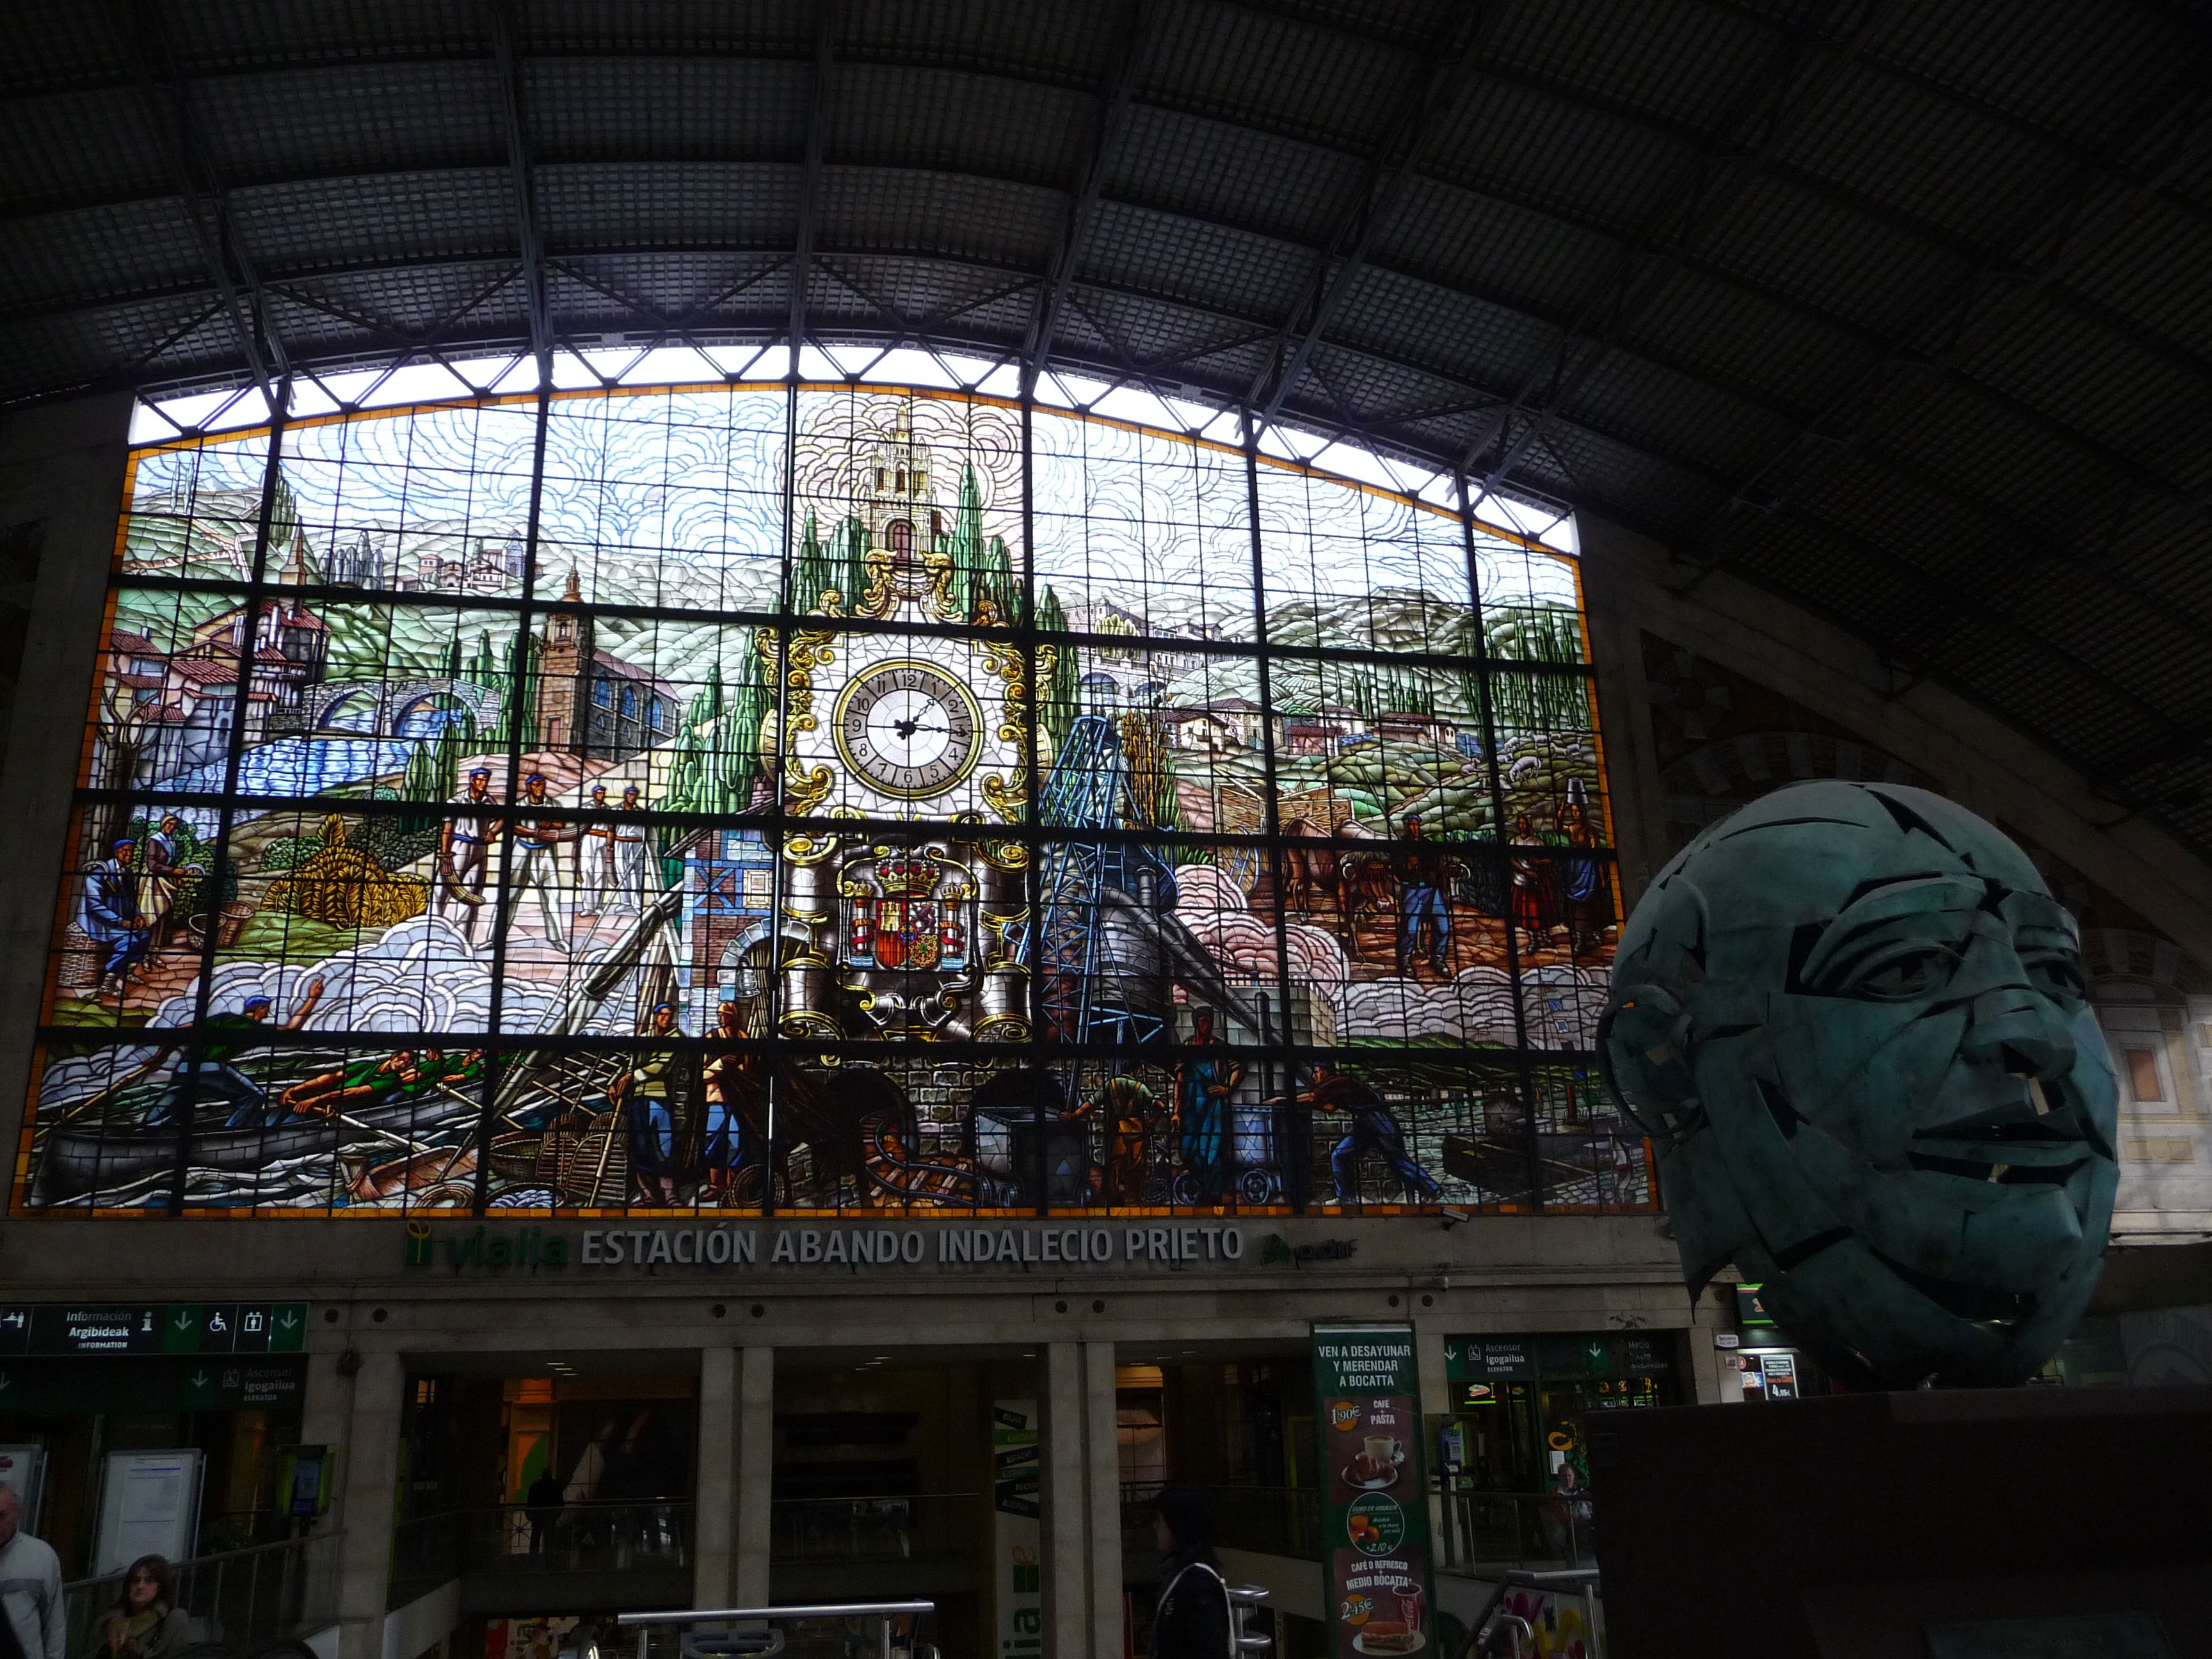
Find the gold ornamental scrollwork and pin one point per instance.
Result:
(1008, 796)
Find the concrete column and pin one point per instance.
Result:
(61, 494)
(1434, 1381)
(715, 1498)
(1103, 1471)
(327, 1420)
(1065, 1504)
(755, 1440)
(369, 1471)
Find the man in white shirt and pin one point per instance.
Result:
(36, 1621)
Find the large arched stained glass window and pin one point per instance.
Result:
(816, 799)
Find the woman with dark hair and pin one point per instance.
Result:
(146, 1622)
(1191, 1619)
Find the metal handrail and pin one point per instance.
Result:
(800, 1610)
(882, 1612)
(1243, 1600)
(287, 1586)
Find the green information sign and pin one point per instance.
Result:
(1375, 1506)
(181, 1327)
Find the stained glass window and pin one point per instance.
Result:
(823, 798)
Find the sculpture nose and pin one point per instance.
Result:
(2012, 1030)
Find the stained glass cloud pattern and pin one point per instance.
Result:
(823, 799)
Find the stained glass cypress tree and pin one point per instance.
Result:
(1059, 693)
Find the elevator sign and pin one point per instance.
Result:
(1375, 1506)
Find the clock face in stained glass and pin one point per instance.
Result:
(907, 729)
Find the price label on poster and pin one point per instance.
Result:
(1375, 1506)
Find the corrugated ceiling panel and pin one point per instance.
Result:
(686, 27)
(214, 37)
(1690, 64)
(49, 167)
(2072, 66)
(363, 118)
(1781, 235)
(2150, 265)
(386, 217)
(956, 123)
(98, 253)
(1233, 272)
(1505, 253)
(1069, 47)
(1944, 165)
(665, 108)
(1542, 150)
(1191, 164)
(1239, 64)
(883, 209)
(1747, 340)
(677, 204)
(1421, 324)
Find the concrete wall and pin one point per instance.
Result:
(61, 490)
(1630, 583)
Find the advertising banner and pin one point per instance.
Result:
(1375, 1506)
(1016, 1530)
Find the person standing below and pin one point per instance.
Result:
(36, 1621)
(461, 850)
(147, 1622)
(1191, 1619)
(1205, 1078)
(596, 882)
(543, 1501)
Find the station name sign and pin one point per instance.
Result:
(854, 1249)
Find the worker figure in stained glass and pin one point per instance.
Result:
(596, 888)
(110, 916)
(634, 887)
(210, 1076)
(461, 845)
(1374, 1129)
(735, 1086)
(537, 862)
(1205, 1078)
(1424, 874)
(648, 1094)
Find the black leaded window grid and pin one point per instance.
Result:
(1533, 1072)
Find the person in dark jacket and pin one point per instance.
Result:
(1191, 1620)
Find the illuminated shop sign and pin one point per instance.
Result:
(851, 1248)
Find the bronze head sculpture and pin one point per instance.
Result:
(1851, 1017)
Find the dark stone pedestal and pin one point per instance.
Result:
(1850, 1527)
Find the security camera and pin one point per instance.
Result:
(1453, 1218)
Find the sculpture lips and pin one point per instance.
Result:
(2037, 1141)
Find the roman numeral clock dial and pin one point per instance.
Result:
(908, 729)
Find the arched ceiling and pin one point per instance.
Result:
(1902, 310)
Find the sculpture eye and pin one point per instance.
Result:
(1911, 973)
(2057, 974)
